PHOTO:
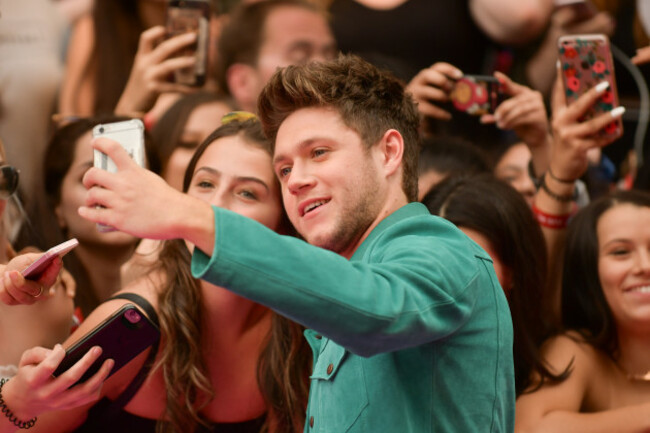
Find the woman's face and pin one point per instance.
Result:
(235, 175)
(73, 194)
(502, 272)
(202, 121)
(624, 263)
(512, 168)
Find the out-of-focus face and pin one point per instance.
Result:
(513, 169)
(502, 272)
(202, 121)
(73, 194)
(332, 186)
(292, 36)
(238, 176)
(624, 264)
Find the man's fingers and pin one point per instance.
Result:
(115, 151)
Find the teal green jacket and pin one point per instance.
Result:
(413, 334)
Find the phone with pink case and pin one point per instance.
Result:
(586, 60)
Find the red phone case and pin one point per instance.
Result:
(586, 60)
(476, 94)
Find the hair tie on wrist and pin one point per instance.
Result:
(557, 179)
(10, 415)
(551, 221)
(555, 196)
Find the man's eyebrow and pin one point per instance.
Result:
(301, 147)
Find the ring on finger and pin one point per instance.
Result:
(40, 292)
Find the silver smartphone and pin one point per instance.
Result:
(130, 134)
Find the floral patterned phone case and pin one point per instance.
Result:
(586, 60)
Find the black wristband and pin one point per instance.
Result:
(10, 415)
(558, 197)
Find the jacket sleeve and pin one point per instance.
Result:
(417, 282)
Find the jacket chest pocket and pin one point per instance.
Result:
(339, 394)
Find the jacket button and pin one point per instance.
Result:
(330, 368)
(311, 421)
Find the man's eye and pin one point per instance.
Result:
(284, 171)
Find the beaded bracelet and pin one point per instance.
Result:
(558, 197)
(551, 221)
(9, 414)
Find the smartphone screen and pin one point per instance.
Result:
(122, 337)
(184, 16)
(476, 94)
(586, 60)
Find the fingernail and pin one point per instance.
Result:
(458, 74)
(558, 64)
(617, 112)
(602, 86)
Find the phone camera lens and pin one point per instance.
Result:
(132, 316)
(101, 130)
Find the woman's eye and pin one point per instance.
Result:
(248, 194)
(204, 184)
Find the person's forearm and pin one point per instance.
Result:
(511, 22)
(196, 225)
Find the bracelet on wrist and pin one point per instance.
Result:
(557, 179)
(10, 415)
(558, 197)
(551, 221)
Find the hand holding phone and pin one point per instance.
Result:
(476, 94)
(122, 336)
(130, 134)
(36, 269)
(184, 16)
(586, 61)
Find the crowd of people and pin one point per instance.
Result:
(326, 235)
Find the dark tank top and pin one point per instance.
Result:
(108, 416)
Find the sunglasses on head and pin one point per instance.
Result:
(8, 181)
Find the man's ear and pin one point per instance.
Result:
(391, 149)
(243, 83)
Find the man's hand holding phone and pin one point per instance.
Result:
(137, 201)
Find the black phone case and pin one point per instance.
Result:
(122, 336)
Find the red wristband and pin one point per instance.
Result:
(551, 221)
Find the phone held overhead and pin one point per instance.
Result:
(586, 61)
(185, 16)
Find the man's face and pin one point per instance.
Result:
(332, 186)
(292, 36)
